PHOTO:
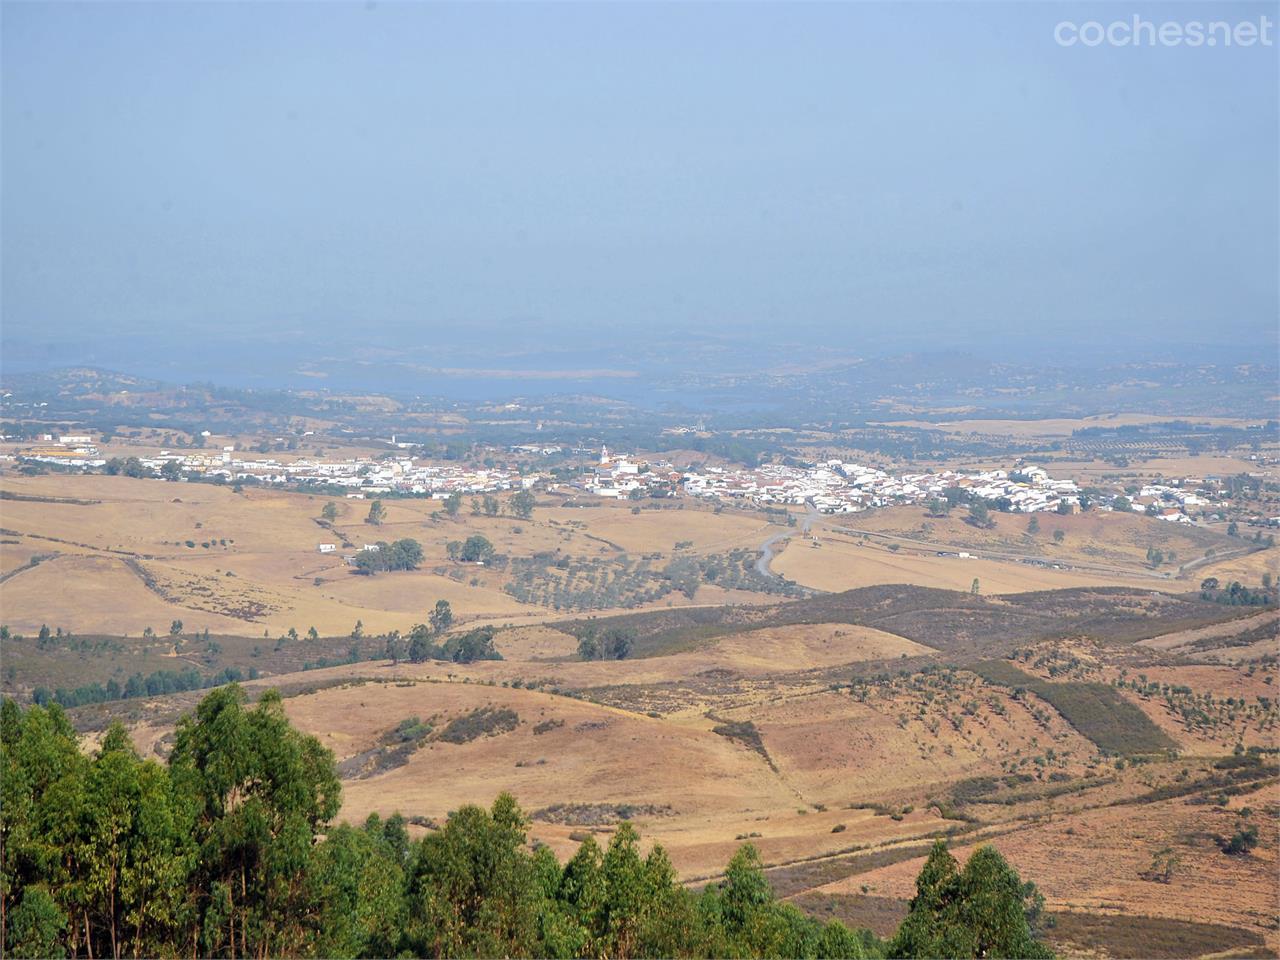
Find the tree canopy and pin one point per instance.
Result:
(230, 849)
(403, 554)
(976, 912)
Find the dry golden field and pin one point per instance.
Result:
(838, 747)
(1096, 549)
(1096, 540)
(842, 785)
(1093, 862)
(144, 552)
(1248, 569)
(843, 563)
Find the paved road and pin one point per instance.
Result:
(766, 548)
(1242, 551)
(766, 554)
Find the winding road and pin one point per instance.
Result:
(766, 548)
(766, 554)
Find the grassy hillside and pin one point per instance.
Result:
(1096, 710)
(947, 620)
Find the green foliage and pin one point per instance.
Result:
(522, 504)
(980, 514)
(978, 912)
(473, 645)
(408, 730)
(1242, 841)
(259, 791)
(466, 647)
(481, 722)
(612, 643)
(403, 554)
(476, 549)
(129, 467)
(214, 854)
(155, 684)
(441, 617)
(37, 926)
(588, 646)
(1235, 594)
(230, 850)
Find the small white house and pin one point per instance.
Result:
(327, 547)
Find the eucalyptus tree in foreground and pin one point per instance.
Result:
(230, 850)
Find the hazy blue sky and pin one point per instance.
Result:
(846, 173)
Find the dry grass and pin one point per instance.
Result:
(1092, 861)
(1095, 539)
(716, 789)
(107, 597)
(1183, 639)
(845, 564)
(253, 563)
(1247, 569)
(660, 530)
(825, 755)
(837, 750)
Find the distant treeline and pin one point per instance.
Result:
(1168, 427)
(1235, 594)
(153, 685)
(418, 646)
(229, 849)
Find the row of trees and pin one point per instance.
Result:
(133, 467)
(521, 505)
(154, 684)
(418, 646)
(1235, 594)
(421, 644)
(127, 467)
(979, 514)
(403, 554)
(229, 849)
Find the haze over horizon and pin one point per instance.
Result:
(192, 187)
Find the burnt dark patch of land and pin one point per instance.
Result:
(880, 915)
(1098, 711)
(1125, 936)
(957, 623)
